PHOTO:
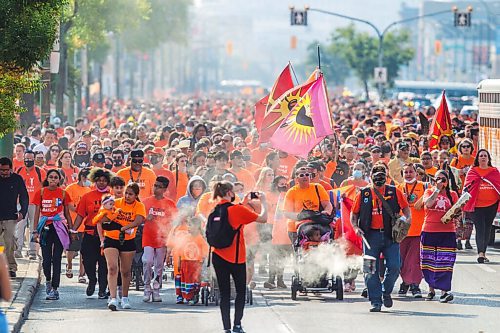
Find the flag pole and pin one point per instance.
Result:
(319, 59)
(293, 71)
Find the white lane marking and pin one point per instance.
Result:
(487, 269)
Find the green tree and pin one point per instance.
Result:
(360, 50)
(333, 65)
(27, 33)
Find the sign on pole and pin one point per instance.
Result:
(380, 74)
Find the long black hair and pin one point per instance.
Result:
(476, 160)
(46, 180)
(451, 178)
(448, 183)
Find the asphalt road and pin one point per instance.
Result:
(475, 309)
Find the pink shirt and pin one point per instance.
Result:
(432, 219)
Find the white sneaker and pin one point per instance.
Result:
(113, 304)
(125, 303)
(156, 296)
(147, 296)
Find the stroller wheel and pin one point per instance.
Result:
(339, 289)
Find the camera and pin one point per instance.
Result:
(254, 195)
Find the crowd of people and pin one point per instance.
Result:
(157, 170)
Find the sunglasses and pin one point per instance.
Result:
(137, 160)
(302, 175)
(81, 152)
(466, 146)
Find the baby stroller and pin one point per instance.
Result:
(137, 270)
(324, 283)
(210, 292)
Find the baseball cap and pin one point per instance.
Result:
(82, 145)
(108, 149)
(403, 145)
(157, 151)
(235, 154)
(86, 133)
(179, 125)
(137, 153)
(99, 158)
(184, 144)
(376, 149)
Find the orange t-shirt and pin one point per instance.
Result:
(88, 207)
(297, 199)
(330, 169)
(182, 182)
(32, 181)
(259, 156)
(17, 164)
(71, 175)
(238, 215)
(161, 143)
(156, 230)
(146, 178)
(52, 202)
(488, 195)
(377, 218)
(172, 187)
(126, 215)
(461, 162)
(245, 177)
(286, 166)
(76, 192)
(431, 171)
(417, 215)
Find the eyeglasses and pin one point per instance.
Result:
(137, 160)
(302, 175)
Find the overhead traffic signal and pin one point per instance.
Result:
(298, 16)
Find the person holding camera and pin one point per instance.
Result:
(231, 261)
(373, 212)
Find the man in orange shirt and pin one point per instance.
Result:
(160, 212)
(18, 160)
(156, 157)
(237, 168)
(33, 177)
(304, 195)
(370, 218)
(137, 173)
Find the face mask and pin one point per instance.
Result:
(82, 161)
(361, 145)
(29, 163)
(189, 129)
(87, 183)
(155, 159)
(108, 166)
(411, 181)
(282, 189)
(379, 180)
(118, 163)
(357, 174)
(106, 189)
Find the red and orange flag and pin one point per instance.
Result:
(441, 124)
(282, 85)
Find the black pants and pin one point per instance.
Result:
(483, 219)
(52, 256)
(224, 270)
(91, 256)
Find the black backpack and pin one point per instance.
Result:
(220, 234)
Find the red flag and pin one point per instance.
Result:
(441, 124)
(283, 83)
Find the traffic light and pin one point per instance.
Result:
(298, 17)
(438, 47)
(229, 48)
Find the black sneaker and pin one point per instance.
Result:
(364, 293)
(468, 246)
(238, 329)
(102, 295)
(459, 245)
(446, 297)
(91, 288)
(387, 301)
(12, 274)
(403, 289)
(430, 296)
(416, 292)
(376, 308)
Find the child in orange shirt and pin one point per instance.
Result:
(192, 249)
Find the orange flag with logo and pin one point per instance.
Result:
(441, 124)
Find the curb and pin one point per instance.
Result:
(21, 303)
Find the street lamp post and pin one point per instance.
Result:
(380, 34)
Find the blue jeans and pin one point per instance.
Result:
(382, 244)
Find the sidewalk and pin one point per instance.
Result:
(24, 288)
